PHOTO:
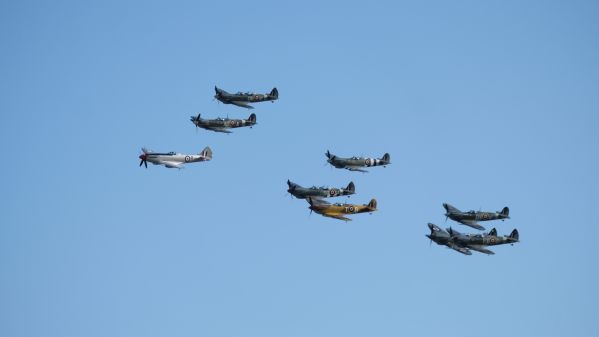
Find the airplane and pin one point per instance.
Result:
(172, 159)
(319, 192)
(338, 210)
(243, 99)
(463, 243)
(469, 218)
(356, 163)
(223, 124)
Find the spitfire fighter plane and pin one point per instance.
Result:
(319, 192)
(463, 243)
(223, 124)
(243, 99)
(470, 218)
(338, 211)
(172, 159)
(356, 163)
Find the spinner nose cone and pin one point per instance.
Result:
(142, 156)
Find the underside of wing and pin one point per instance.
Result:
(460, 249)
(242, 104)
(172, 164)
(481, 249)
(217, 129)
(336, 216)
(318, 201)
(472, 224)
(356, 168)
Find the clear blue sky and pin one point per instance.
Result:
(482, 104)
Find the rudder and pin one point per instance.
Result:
(386, 158)
(207, 152)
(274, 93)
(514, 235)
(252, 118)
(351, 187)
(372, 204)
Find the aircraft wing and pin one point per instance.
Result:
(481, 249)
(318, 201)
(171, 164)
(336, 216)
(356, 168)
(215, 129)
(242, 104)
(472, 224)
(459, 248)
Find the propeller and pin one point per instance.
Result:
(144, 160)
(291, 188)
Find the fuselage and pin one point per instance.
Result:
(159, 158)
(475, 216)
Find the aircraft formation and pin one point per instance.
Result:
(223, 125)
(315, 196)
(465, 243)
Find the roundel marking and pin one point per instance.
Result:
(187, 158)
(333, 191)
(492, 240)
(351, 209)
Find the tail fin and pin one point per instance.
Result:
(386, 158)
(328, 154)
(252, 119)
(351, 187)
(505, 211)
(514, 235)
(207, 152)
(372, 204)
(274, 93)
(493, 232)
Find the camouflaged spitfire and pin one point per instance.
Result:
(243, 99)
(222, 124)
(470, 218)
(319, 192)
(463, 243)
(357, 163)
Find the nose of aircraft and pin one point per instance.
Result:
(142, 156)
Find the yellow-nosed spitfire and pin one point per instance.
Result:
(338, 211)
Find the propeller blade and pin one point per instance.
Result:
(146, 163)
(141, 162)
